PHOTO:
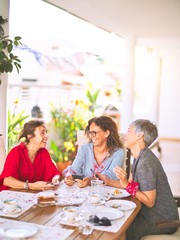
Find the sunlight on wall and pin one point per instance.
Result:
(146, 82)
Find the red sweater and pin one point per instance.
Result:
(19, 166)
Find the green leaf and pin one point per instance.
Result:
(11, 55)
(1, 56)
(10, 47)
(17, 38)
(1, 45)
(8, 67)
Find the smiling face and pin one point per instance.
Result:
(97, 135)
(131, 137)
(40, 138)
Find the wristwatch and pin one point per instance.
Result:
(26, 185)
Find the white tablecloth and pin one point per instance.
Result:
(44, 232)
(25, 201)
(65, 191)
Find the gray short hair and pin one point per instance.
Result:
(148, 128)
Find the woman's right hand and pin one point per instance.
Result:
(69, 180)
(41, 185)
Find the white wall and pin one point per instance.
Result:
(169, 114)
(4, 6)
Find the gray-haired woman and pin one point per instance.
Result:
(148, 182)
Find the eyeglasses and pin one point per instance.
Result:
(93, 133)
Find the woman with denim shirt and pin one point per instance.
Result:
(100, 155)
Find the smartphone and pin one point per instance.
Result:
(75, 176)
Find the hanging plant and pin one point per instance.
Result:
(7, 59)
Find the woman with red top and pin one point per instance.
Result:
(29, 164)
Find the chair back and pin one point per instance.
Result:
(82, 139)
(127, 157)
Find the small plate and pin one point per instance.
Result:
(123, 193)
(102, 202)
(122, 205)
(46, 205)
(110, 213)
(16, 211)
(76, 219)
(20, 232)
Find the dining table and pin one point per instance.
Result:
(48, 219)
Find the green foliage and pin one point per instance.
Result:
(15, 124)
(65, 124)
(92, 96)
(7, 59)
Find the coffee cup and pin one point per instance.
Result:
(10, 205)
(95, 198)
(71, 211)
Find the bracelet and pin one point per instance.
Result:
(26, 185)
(132, 188)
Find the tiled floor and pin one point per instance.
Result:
(170, 159)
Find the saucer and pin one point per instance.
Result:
(16, 211)
(76, 219)
(18, 232)
(101, 202)
(46, 204)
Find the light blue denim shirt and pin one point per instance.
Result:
(85, 165)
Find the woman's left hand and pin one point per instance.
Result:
(83, 183)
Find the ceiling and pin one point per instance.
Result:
(141, 19)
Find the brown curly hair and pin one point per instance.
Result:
(106, 123)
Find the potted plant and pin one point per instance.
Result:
(7, 59)
(64, 126)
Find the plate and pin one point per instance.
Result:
(69, 201)
(110, 213)
(122, 205)
(102, 202)
(76, 219)
(46, 204)
(123, 193)
(19, 232)
(16, 211)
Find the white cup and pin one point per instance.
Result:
(10, 205)
(71, 211)
(95, 198)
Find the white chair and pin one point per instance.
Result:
(165, 224)
(82, 139)
(2, 153)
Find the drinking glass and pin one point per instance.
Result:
(96, 186)
(85, 227)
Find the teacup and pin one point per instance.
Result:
(71, 211)
(95, 197)
(10, 205)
